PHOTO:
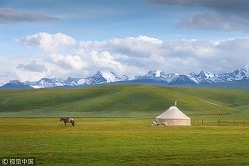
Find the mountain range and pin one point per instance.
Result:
(152, 77)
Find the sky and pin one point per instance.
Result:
(63, 38)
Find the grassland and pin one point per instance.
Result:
(113, 126)
(125, 101)
(122, 141)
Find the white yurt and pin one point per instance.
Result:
(173, 117)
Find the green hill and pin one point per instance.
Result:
(124, 101)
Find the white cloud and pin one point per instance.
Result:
(67, 62)
(6, 76)
(21, 68)
(34, 67)
(138, 46)
(144, 53)
(132, 56)
(104, 60)
(49, 43)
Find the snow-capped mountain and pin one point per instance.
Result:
(71, 81)
(15, 84)
(152, 77)
(237, 75)
(195, 78)
(158, 76)
(170, 78)
(102, 78)
(182, 80)
(47, 83)
(98, 78)
(202, 77)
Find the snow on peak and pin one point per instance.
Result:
(158, 73)
(205, 74)
(110, 77)
(102, 77)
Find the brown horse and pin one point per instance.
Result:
(67, 120)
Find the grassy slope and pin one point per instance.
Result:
(124, 101)
(122, 141)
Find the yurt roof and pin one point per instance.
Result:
(173, 113)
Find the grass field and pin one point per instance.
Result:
(113, 126)
(125, 101)
(122, 141)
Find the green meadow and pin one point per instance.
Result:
(122, 141)
(125, 101)
(113, 126)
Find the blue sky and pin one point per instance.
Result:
(61, 38)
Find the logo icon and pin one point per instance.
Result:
(5, 161)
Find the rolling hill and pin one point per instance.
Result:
(124, 101)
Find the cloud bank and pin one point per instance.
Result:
(227, 15)
(48, 43)
(131, 56)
